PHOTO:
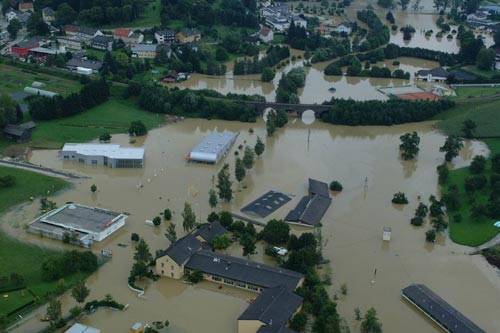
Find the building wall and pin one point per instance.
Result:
(165, 266)
(108, 231)
(249, 326)
(100, 160)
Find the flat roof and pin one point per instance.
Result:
(79, 217)
(212, 146)
(440, 310)
(108, 150)
(243, 270)
(80, 328)
(266, 203)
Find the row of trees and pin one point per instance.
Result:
(355, 69)
(67, 263)
(10, 112)
(378, 33)
(274, 55)
(289, 85)
(91, 94)
(394, 111)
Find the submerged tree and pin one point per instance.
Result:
(80, 291)
(212, 198)
(451, 147)
(259, 147)
(371, 323)
(188, 217)
(54, 310)
(409, 145)
(171, 233)
(239, 170)
(248, 158)
(224, 184)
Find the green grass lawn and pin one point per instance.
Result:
(150, 18)
(14, 300)
(23, 258)
(465, 92)
(484, 113)
(15, 79)
(113, 116)
(481, 72)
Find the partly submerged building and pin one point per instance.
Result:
(78, 224)
(213, 147)
(110, 155)
(312, 207)
(274, 306)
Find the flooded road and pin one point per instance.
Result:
(352, 227)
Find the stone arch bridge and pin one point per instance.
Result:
(298, 109)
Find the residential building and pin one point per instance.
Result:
(26, 6)
(278, 23)
(21, 49)
(144, 51)
(109, 155)
(343, 29)
(48, 15)
(76, 64)
(299, 21)
(430, 75)
(165, 36)
(279, 17)
(19, 133)
(128, 36)
(70, 43)
(102, 42)
(85, 34)
(22, 17)
(266, 34)
(80, 328)
(213, 147)
(188, 35)
(83, 225)
(312, 207)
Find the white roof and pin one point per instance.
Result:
(108, 150)
(79, 328)
(213, 146)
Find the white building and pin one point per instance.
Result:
(79, 224)
(110, 155)
(343, 29)
(266, 34)
(431, 75)
(213, 147)
(80, 328)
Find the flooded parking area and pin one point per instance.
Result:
(364, 159)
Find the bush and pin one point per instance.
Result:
(134, 237)
(212, 217)
(417, 221)
(137, 128)
(430, 236)
(457, 218)
(167, 214)
(399, 198)
(7, 181)
(105, 137)
(336, 186)
(195, 276)
(157, 220)
(475, 183)
(226, 219)
(478, 164)
(298, 322)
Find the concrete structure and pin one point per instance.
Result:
(431, 75)
(438, 310)
(144, 51)
(79, 224)
(80, 328)
(19, 133)
(213, 147)
(165, 36)
(187, 35)
(48, 15)
(312, 207)
(110, 155)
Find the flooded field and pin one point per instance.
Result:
(352, 227)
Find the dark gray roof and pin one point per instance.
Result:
(48, 11)
(462, 76)
(266, 203)
(166, 32)
(144, 48)
(440, 310)
(183, 249)
(18, 130)
(79, 62)
(102, 39)
(315, 210)
(274, 307)
(79, 217)
(317, 187)
(271, 329)
(19, 96)
(243, 270)
(209, 231)
(295, 214)
(87, 30)
(438, 71)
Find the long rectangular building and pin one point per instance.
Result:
(110, 155)
(213, 147)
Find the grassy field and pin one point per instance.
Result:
(150, 18)
(471, 231)
(14, 300)
(484, 112)
(481, 72)
(23, 258)
(15, 79)
(467, 92)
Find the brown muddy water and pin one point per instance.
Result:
(352, 227)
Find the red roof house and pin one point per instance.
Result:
(22, 49)
(26, 6)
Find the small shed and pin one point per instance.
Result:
(386, 235)
(20, 132)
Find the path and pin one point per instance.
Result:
(489, 244)
(41, 170)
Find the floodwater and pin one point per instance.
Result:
(351, 232)
(317, 84)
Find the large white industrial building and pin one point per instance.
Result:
(213, 147)
(110, 155)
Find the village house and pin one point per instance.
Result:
(188, 36)
(85, 34)
(11, 14)
(102, 43)
(48, 15)
(19, 133)
(69, 43)
(20, 16)
(26, 7)
(128, 36)
(83, 65)
(166, 36)
(266, 34)
(144, 51)
(430, 75)
(21, 49)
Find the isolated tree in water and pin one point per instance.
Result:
(54, 310)
(239, 170)
(271, 123)
(371, 323)
(171, 234)
(451, 147)
(212, 198)
(248, 157)
(80, 291)
(142, 253)
(188, 217)
(409, 145)
(259, 147)
(224, 184)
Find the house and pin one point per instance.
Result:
(21, 49)
(83, 225)
(490, 9)
(85, 34)
(165, 36)
(102, 42)
(299, 21)
(266, 34)
(460, 76)
(19, 133)
(109, 155)
(343, 29)
(40, 54)
(76, 64)
(48, 15)
(436, 74)
(278, 23)
(26, 6)
(70, 43)
(312, 207)
(188, 35)
(128, 36)
(22, 17)
(144, 51)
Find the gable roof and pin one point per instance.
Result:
(144, 48)
(25, 5)
(48, 11)
(438, 72)
(183, 249)
(274, 307)
(317, 187)
(243, 270)
(209, 231)
(122, 32)
(102, 39)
